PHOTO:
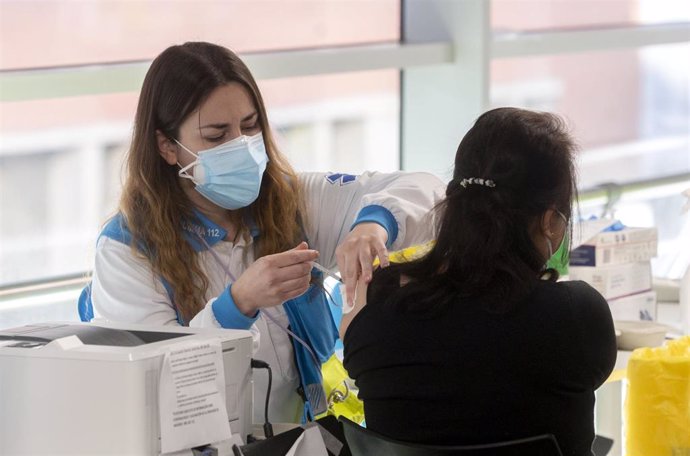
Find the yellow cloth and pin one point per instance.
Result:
(657, 407)
(408, 254)
(341, 392)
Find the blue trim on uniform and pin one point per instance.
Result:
(202, 227)
(379, 214)
(311, 320)
(84, 304)
(228, 315)
(211, 232)
(117, 229)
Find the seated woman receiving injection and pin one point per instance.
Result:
(476, 342)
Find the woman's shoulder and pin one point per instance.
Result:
(579, 296)
(587, 325)
(384, 282)
(116, 228)
(580, 289)
(116, 236)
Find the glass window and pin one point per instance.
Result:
(531, 15)
(48, 33)
(630, 111)
(61, 160)
(340, 122)
(38, 307)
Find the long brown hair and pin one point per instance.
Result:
(153, 201)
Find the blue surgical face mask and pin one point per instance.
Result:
(229, 175)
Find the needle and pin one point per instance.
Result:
(328, 272)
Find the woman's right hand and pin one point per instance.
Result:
(273, 279)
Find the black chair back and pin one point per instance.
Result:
(364, 442)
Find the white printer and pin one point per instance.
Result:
(100, 396)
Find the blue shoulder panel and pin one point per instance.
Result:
(117, 229)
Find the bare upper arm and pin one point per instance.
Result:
(360, 301)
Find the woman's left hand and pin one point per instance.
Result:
(356, 255)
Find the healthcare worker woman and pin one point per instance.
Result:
(215, 229)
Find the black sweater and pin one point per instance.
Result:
(469, 376)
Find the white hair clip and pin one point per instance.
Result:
(477, 181)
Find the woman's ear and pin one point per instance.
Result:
(552, 224)
(545, 225)
(166, 148)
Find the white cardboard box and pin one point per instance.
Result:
(615, 281)
(616, 247)
(641, 306)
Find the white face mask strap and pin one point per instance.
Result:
(549, 244)
(565, 220)
(565, 228)
(183, 169)
(550, 247)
